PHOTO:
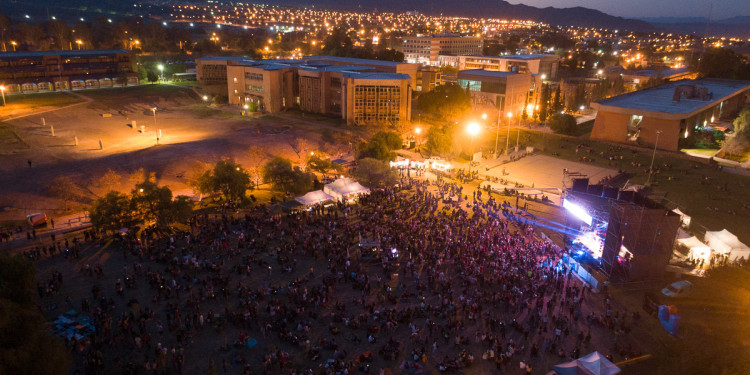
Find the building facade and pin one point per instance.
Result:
(426, 49)
(377, 98)
(668, 112)
(537, 64)
(493, 91)
(66, 70)
(359, 91)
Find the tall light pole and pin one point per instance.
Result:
(497, 130)
(507, 140)
(653, 156)
(154, 111)
(161, 71)
(473, 129)
(79, 42)
(2, 91)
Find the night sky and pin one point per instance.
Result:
(654, 8)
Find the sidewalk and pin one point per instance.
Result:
(63, 225)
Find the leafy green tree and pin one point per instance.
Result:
(440, 140)
(320, 164)
(278, 172)
(392, 140)
(373, 173)
(618, 86)
(376, 149)
(227, 178)
(557, 101)
(601, 90)
(544, 97)
(448, 101)
(151, 76)
(742, 122)
(111, 212)
(563, 124)
(149, 202)
(26, 346)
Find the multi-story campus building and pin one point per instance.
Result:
(65, 70)
(493, 91)
(426, 49)
(359, 91)
(536, 64)
(670, 111)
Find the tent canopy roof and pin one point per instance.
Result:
(724, 241)
(592, 364)
(314, 197)
(693, 243)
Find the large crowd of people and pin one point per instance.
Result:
(448, 280)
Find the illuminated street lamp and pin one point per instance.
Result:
(2, 91)
(484, 116)
(418, 130)
(653, 156)
(507, 140)
(205, 98)
(161, 71)
(79, 42)
(14, 45)
(473, 129)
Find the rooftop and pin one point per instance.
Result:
(225, 58)
(89, 52)
(654, 73)
(352, 60)
(367, 75)
(335, 68)
(659, 98)
(486, 73)
(527, 57)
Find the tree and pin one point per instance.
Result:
(618, 86)
(26, 346)
(543, 102)
(317, 163)
(557, 100)
(111, 212)
(280, 174)
(563, 124)
(109, 180)
(742, 122)
(227, 178)
(440, 140)
(376, 149)
(258, 156)
(448, 101)
(63, 187)
(149, 202)
(151, 76)
(392, 140)
(373, 172)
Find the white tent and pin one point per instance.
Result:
(592, 364)
(684, 219)
(724, 242)
(314, 197)
(697, 248)
(345, 188)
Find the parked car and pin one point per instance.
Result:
(678, 289)
(37, 220)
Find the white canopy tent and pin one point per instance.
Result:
(697, 248)
(725, 242)
(592, 364)
(314, 197)
(684, 219)
(345, 188)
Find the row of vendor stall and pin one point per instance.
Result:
(716, 243)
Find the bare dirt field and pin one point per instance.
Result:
(123, 120)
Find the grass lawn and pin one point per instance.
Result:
(708, 152)
(20, 104)
(714, 327)
(715, 199)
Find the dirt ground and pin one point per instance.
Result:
(191, 132)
